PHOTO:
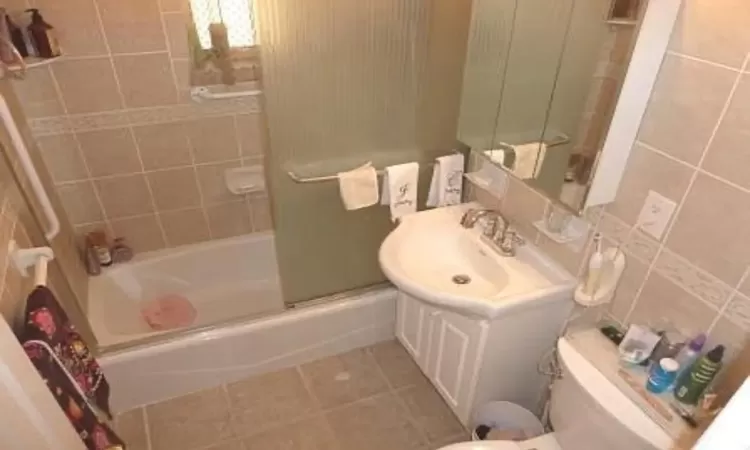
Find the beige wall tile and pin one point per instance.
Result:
(174, 188)
(685, 107)
(176, 24)
(701, 284)
(738, 311)
(124, 196)
(110, 152)
(729, 334)
(229, 219)
(250, 130)
(648, 171)
(729, 155)
(62, 157)
(711, 229)
(715, 30)
(662, 300)
(187, 226)
(174, 5)
(77, 26)
(142, 233)
(523, 206)
(634, 243)
(37, 94)
(213, 139)
(121, 18)
(87, 85)
(181, 69)
(80, 203)
(261, 212)
(566, 255)
(163, 146)
(213, 184)
(146, 80)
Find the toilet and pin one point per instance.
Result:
(587, 411)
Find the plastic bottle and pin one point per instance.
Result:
(662, 375)
(596, 262)
(689, 355)
(43, 35)
(691, 386)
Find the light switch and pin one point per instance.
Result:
(655, 215)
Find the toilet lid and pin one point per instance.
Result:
(484, 445)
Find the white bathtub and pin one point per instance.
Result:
(156, 372)
(224, 280)
(242, 325)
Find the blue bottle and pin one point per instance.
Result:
(662, 375)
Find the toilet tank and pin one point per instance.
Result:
(588, 412)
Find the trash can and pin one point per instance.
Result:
(507, 420)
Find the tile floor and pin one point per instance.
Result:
(373, 398)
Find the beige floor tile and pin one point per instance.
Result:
(268, 399)
(308, 434)
(397, 365)
(228, 445)
(131, 428)
(342, 379)
(191, 422)
(375, 424)
(430, 412)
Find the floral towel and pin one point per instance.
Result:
(94, 433)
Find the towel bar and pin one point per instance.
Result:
(298, 179)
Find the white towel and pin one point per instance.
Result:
(359, 187)
(496, 155)
(527, 156)
(400, 189)
(447, 181)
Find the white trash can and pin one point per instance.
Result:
(506, 416)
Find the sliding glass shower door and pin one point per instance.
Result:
(347, 82)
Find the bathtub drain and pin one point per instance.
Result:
(461, 279)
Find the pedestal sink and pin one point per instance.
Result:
(477, 323)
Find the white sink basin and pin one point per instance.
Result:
(429, 254)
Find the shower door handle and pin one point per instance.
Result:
(24, 157)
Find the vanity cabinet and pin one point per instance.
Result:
(472, 360)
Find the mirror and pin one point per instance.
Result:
(542, 82)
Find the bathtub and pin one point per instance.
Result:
(242, 327)
(224, 280)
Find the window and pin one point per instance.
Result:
(237, 15)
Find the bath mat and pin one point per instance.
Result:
(168, 312)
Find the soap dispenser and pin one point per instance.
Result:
(43, 35)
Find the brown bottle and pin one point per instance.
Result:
(43, 35)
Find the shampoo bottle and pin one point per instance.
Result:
(596, 264)
(43, 35)
(691, 386)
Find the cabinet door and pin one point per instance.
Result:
(458, 343)
(412, 328)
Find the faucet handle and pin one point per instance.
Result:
(511, 240)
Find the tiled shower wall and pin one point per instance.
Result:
(692, 148)
(127, 148)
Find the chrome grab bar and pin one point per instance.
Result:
(298, 179)
(28, 167)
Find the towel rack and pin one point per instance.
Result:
(36, 257)
(299, 179)
(201, 93)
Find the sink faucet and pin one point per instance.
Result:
(497, 233)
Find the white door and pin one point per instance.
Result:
(413, 328)
(458, 343)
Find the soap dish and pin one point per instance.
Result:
(245, 180)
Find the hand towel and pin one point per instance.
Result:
(400, 189)
(359, 187)
(529, 158)
(447, 181)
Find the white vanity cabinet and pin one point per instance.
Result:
(471, 360)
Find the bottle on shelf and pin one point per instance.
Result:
(43, 35)
(691, 387)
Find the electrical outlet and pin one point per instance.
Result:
(655, 214)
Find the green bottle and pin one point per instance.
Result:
(692, 385)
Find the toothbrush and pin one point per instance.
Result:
(596, 264)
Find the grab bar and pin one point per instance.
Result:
(30, 170)
(201, 93)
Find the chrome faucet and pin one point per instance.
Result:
(497, 232)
